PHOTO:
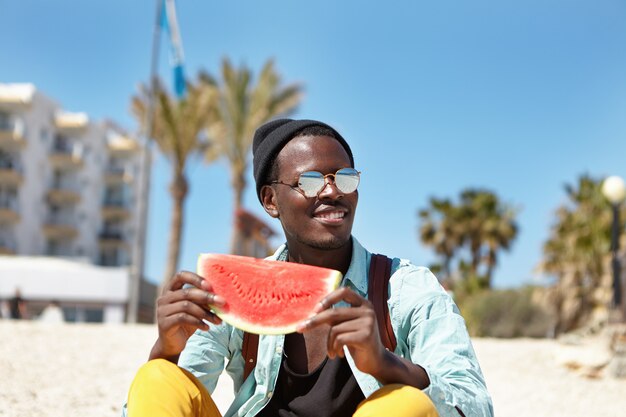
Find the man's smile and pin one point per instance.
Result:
(330, 216)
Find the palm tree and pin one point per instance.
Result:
(241, 108)
(489, 227)
(576, 253)
(479, 225)
(439, 229)
(177, 130)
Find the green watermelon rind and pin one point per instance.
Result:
(333, 282)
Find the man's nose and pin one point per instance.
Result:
(329, 190)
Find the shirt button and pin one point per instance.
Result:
(269, 394)
(279, 349)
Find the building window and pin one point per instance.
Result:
(115, 195)
(94, 315)
(7, 240)
(109, 257)
(113, 229)
(55, 247)
(6, 161)
(5, 121)
(52, 248)
(83, 314)
(8, 197)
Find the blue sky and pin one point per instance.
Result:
(516, 97)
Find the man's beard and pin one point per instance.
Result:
(330, 243)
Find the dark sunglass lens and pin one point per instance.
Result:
(347, 180)
(310, 183)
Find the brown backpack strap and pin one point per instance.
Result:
(378, 293)
(249, 351)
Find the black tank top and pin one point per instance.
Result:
(330, 390)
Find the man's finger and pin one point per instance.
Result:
(187, 307)
(330, 317)
(200, 297)
(184, 277)
(183, 320)
(341, 294)
(340, 335)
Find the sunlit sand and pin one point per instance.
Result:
(51, 370)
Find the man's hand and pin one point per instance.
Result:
(354, 327)
(181, 311)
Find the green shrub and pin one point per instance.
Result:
(504, 313)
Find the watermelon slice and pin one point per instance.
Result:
(266, 297)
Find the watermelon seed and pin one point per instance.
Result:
(220, 269)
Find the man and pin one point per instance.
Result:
(336, 364)
(17, 306)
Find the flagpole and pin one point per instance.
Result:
(139, 239)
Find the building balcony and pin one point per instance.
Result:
(116, 175)
(112, 240)
(9, 211)
(11, 134)
(7, 247)
(112, 256)
(63, 193)
(60, 227)
(119, 145)
(71, 123)
(16, 97)
(64, 156)
(10, 173)
(115, 209)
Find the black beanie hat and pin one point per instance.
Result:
(271, 137)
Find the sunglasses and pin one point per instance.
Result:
(311, 183)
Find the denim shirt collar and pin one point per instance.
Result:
(357, 271)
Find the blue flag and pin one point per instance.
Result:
(170, 24)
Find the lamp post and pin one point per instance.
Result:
(614, 190)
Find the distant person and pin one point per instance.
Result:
(17, 306)
(336, 365)
(52, 313)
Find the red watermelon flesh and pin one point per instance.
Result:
(263, 296)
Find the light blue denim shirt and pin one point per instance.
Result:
(429, 330)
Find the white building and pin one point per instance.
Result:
(86, 292)
(67, 189)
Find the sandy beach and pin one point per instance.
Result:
(84, 370)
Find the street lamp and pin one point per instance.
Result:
(614, 190)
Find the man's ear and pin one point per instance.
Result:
(268, 199)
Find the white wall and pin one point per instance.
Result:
(39, 133)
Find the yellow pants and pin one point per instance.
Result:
(162, 389)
